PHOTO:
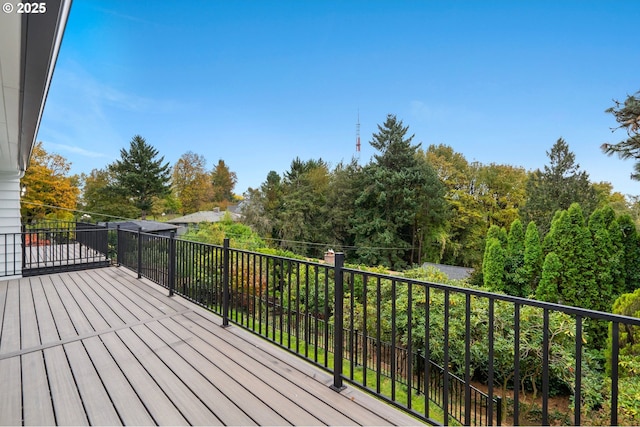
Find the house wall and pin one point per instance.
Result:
(10, 253)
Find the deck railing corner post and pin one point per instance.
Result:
(338, 322)
(225, 282)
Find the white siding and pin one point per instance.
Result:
(10, 253)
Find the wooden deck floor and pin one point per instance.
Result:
(101, 347)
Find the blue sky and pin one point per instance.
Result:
(256, 83)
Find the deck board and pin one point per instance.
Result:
(10, 337)
(103, 347)
(298, 386)
(192, 408)
(37, 406)
(66, 399)
(64, 324)
(29, 334)
(77, 316)
(46, 323)
(127, 403)
(156, 401)
(11, 383)
(184, 343)
(97, 402)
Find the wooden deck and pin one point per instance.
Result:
(102, 347)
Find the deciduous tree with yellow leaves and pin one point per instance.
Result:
(47, 187)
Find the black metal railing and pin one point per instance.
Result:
(417, 345)
(294, 304)
(52, 247)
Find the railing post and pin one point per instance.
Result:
(225, 282)
(139, 267)
(172, 262)
(24, 249)
(338, 323)
(118, 246)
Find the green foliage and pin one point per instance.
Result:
(515, 280)
(139, 176)
(627, 114)
(479, 196)
(46, 185)
(532, 267)
(240, 236)
(560, 184)
(99, 196)
(493, 265)
(190, 182)
(570, 239)
(629, 336)
(550, 282)
(223, 181)
(499, 233)
(630, 241)
(397, 190)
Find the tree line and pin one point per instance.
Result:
(138, 184)
(409, 205)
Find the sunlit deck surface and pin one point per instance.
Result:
(102, 347)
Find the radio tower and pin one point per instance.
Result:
(358, 137)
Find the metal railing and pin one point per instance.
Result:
(293, 303)
(53, 247)
(377, 331)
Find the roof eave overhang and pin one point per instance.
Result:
(41, 37)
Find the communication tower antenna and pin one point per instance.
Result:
(358, 136)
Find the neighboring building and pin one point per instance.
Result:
(192, 220)
(29, 45)
(453, 272)
(161, 228)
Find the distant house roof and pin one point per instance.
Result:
(453, 272)
(147, 226)
(203, 216)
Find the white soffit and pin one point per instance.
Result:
(29, 45)
(10, 25)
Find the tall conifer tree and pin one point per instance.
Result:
(140, 175)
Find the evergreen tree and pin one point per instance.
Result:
(140, 176)
(223, 181)
(515, 283)
(498, 233)
(493, 265)
(302, 213)
(560, 184)
(548, 288)
(627, 115)
(100, 197)
(631, 250)
(395, 186)
(604, 257)
(532, 257)
(570, 239)
(344, 188)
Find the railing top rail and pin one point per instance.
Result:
(576, 311)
